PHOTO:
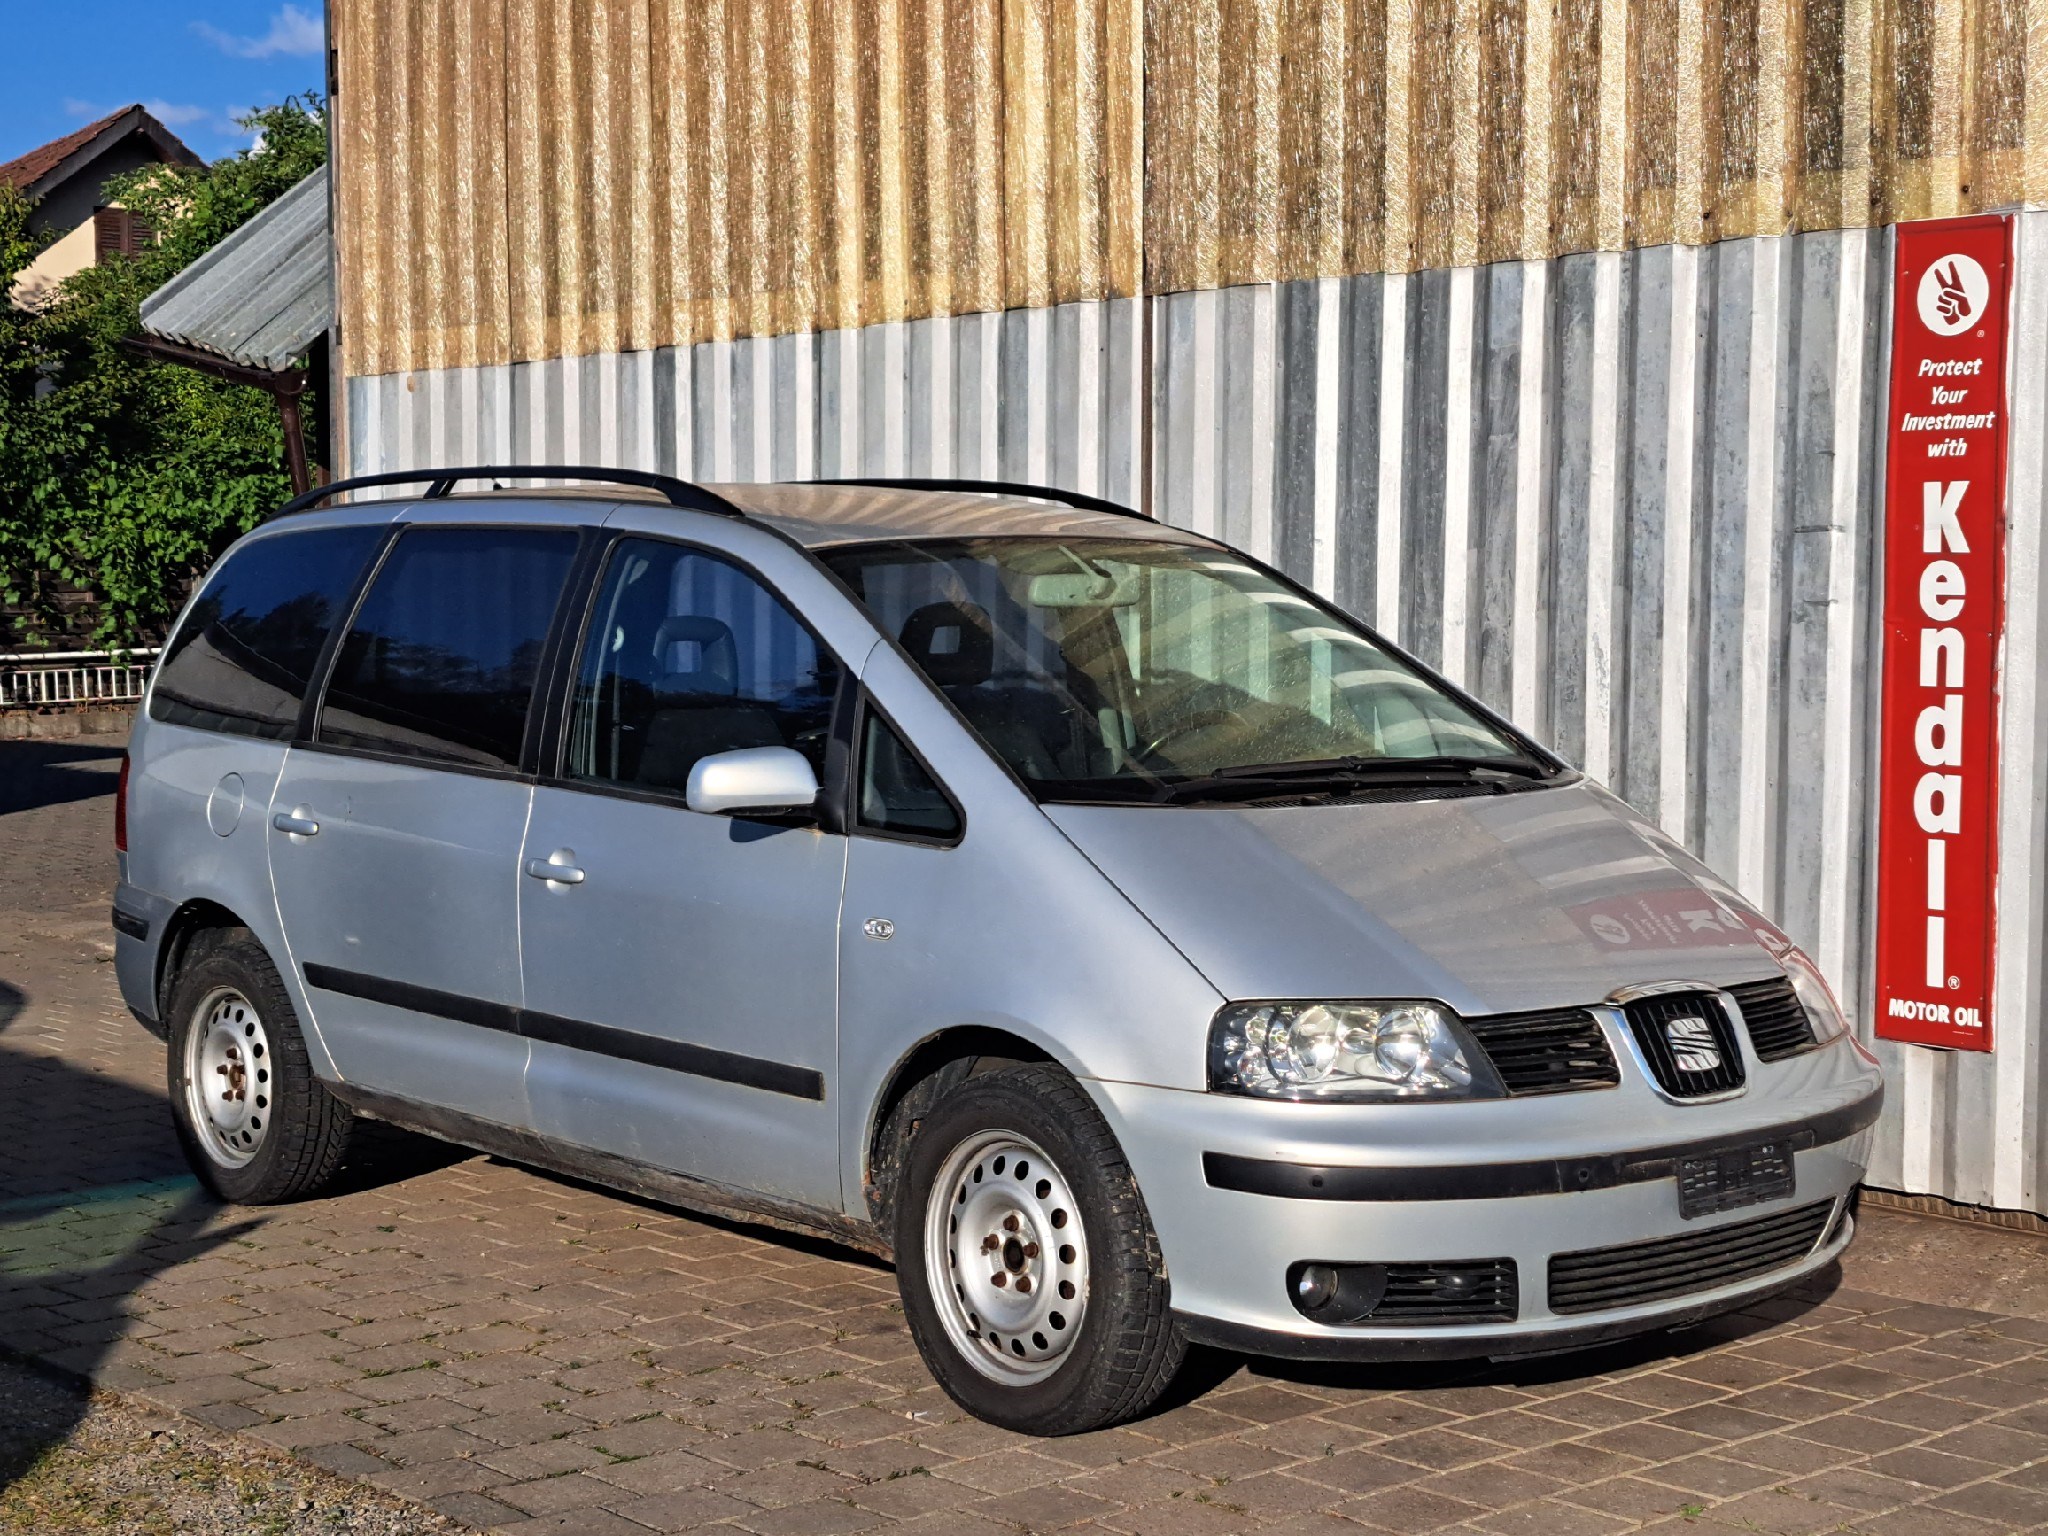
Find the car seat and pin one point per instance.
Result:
(1026, 723)
(697, 708)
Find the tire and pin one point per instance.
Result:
(1073, 1336)
(233, 1032)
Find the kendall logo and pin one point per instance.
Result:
(1953, 293)
(1692, 1044)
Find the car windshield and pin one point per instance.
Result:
(1156, 672)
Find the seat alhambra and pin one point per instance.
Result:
(1135, 947)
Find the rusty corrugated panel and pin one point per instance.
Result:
(540, 178)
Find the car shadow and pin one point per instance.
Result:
(96, 1203)
(34, 774)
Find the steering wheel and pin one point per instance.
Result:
(1200, 720)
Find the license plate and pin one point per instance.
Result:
(1729, 1179)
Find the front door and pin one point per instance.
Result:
(680, 969)
(394, 838)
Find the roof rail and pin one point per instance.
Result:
(1077, 499)
(442, 482)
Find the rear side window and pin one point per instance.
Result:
(241, 660)
(444, 652)
(897, 795)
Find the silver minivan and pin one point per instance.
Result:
(1135, 947)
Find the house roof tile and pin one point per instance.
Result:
(25, 171)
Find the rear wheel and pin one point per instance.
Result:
(256, 1124)
(1031, 1276)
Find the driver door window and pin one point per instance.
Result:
(687, 655)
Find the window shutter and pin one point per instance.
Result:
(109, 230)
(117, 232)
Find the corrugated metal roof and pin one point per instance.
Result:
(264, 294)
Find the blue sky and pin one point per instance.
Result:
(195, 63)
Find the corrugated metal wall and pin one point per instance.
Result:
(524, 179)
(1631, 498)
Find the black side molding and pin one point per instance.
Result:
(1507, 1181)
(128, 923)
(577, 1034)
(630, 1174)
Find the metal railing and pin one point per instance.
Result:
(44, 679)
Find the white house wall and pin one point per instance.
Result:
(1632, 499)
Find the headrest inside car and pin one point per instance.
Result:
(954, 643)
(697, 655)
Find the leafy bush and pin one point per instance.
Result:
(119, 475)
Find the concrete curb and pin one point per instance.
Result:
(62, 724)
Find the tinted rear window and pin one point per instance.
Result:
(444, 652)
(241, 660)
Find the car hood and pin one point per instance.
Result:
(1491, 903)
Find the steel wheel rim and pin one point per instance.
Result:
(228, 1077)
(1006, 1256)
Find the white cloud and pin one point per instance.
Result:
(171, 114)
(292, 32)
(177, 115)
(223, 123)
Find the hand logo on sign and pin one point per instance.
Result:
(1952, 295)
(1954, 304)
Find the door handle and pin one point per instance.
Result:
(548, 869)
(297, 822)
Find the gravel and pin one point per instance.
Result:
(73, 1460)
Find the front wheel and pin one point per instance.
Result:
(1031, 1276)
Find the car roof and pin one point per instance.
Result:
(823, 515)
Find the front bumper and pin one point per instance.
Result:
(1419, 1184)
(1367, 1346)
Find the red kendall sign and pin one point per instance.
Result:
(1944, 614)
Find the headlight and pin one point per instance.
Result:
(1815, 996)
(1391, 1050)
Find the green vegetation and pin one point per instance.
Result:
(117, 475)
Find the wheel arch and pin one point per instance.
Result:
(938, 1061)
(181, 930)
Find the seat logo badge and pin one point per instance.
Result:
(878, 928)
(1692, 1044)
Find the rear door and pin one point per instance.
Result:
(223, 708)
(681, 969)
(395, 834)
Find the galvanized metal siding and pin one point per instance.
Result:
(1043, 395)
(1631, 498)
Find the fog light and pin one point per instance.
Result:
(1315, 1287)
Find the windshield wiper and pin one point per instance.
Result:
(1387, 768)
(1336, 786)
(1332, 778)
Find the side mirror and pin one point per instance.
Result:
(752, 780)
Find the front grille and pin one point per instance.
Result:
(1552, 1052)
(1777, 1021)
(1688, 1042)
(1633, 1273)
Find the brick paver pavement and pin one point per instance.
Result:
(522, 1351)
